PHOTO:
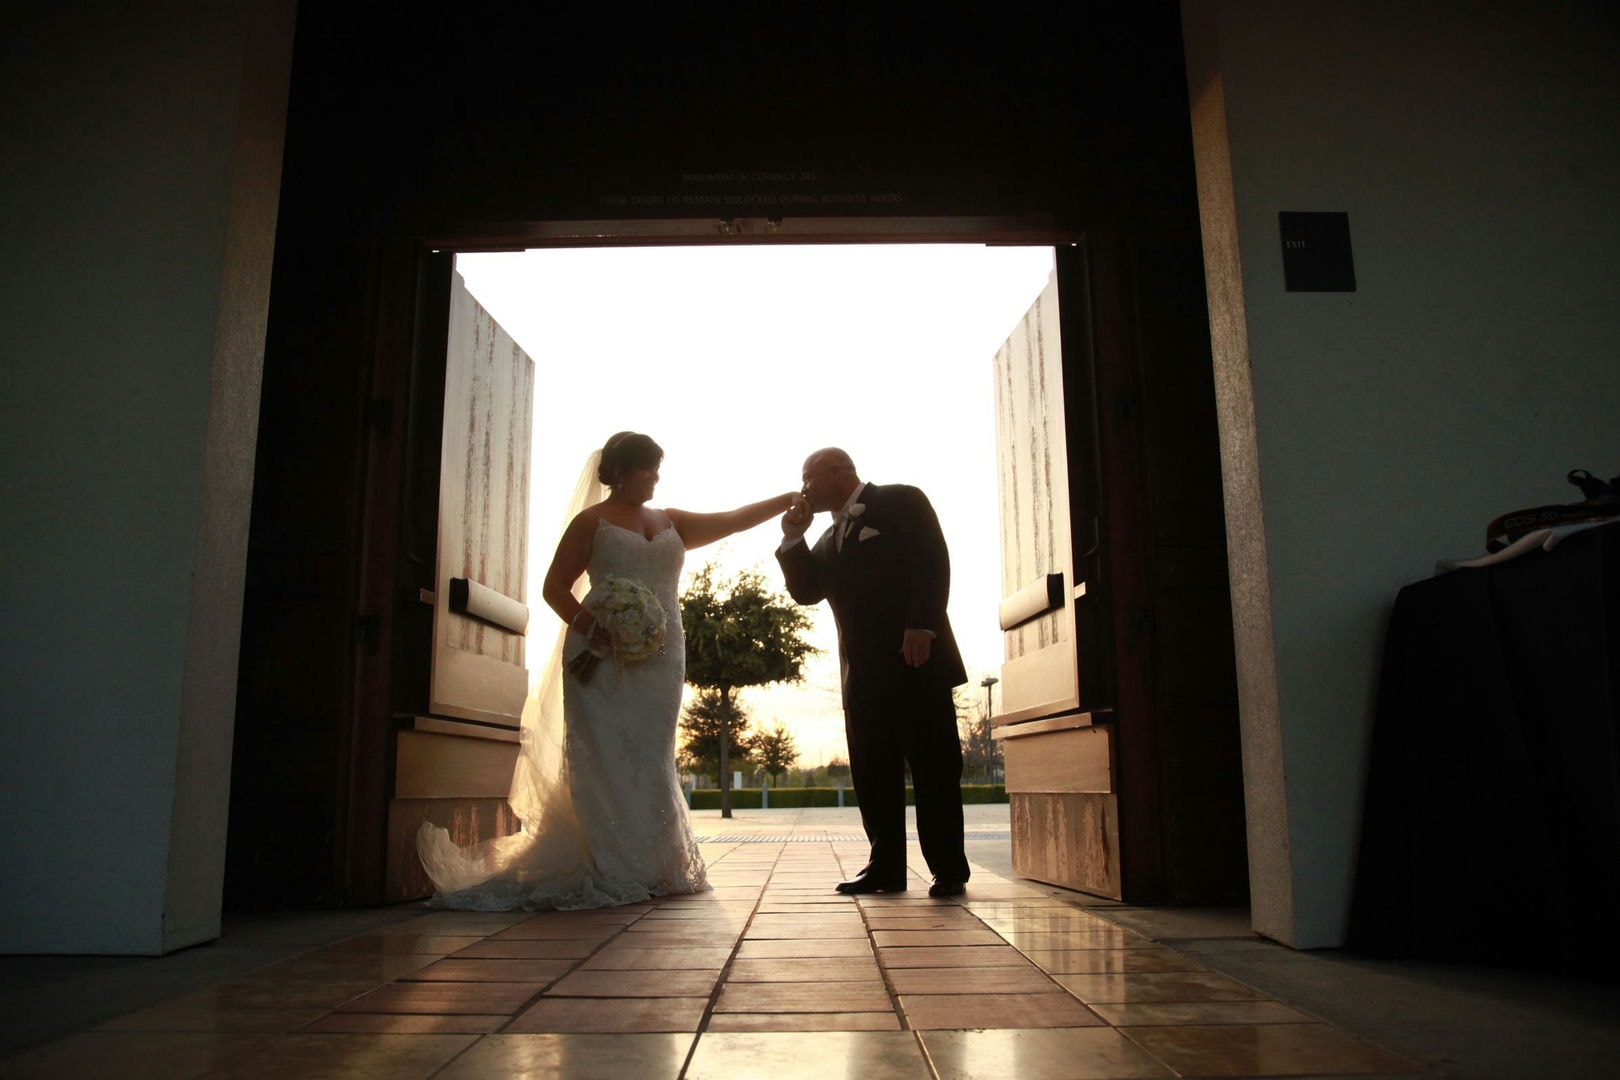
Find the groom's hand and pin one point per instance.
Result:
(797, 518)
(916, 647)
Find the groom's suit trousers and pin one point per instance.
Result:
(885, 736)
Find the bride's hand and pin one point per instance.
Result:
(797, 518)
(598, 640)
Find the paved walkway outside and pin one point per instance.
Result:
(771, 974)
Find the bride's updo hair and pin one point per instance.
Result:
(625, 451)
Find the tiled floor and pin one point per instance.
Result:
(770, 974)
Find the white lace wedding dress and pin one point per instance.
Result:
(604, 818)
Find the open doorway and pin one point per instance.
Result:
(742, 360)
(1137, 365)
(944, 366)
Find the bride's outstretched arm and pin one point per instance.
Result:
(699, 529)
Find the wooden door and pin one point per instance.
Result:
(453, 759)
(1119, 712)
(1057, 677)
(479, 611)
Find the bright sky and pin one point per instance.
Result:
(742, 360)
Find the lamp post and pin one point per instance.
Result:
(989, 685)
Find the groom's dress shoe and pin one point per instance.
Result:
(941, 887)
(868, 882)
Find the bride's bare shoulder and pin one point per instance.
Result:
(586, 519)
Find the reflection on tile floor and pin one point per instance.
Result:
(771, 967)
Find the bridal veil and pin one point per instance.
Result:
(539, 795)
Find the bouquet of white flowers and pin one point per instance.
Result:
(630, 615)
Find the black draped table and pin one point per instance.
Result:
(1491, 827)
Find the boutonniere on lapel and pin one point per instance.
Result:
(847, 523)
(866, 532)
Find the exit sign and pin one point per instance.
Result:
(1316, 251)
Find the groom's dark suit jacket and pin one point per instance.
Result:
(893, 573)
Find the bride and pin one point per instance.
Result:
(604, 819)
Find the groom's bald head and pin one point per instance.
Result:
(831, 456)
(829, 477)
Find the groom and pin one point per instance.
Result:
(884, 570)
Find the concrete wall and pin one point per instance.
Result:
(143, 156)
(1367, 434)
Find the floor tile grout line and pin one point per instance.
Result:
(883, 970)
(1053, 976)
(725, 969)
(894, 995)
(578, 963)
(337, 1007)
(1121, 1029)
(528, 1003)
(1049, 975)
